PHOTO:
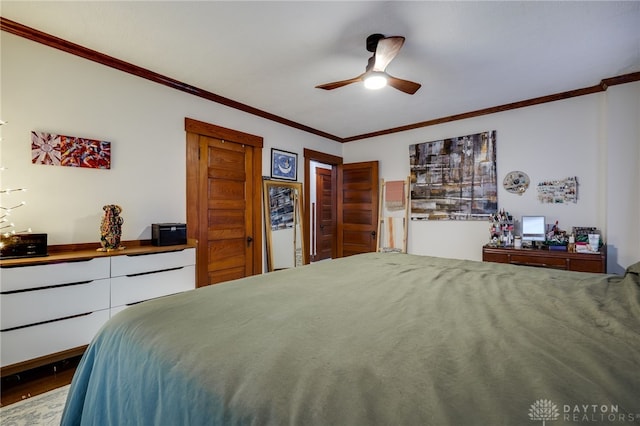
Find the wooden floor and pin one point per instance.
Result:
(30, 383)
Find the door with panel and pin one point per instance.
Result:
(357, 208)
(228, 215)
(223, 203)
(325, 214)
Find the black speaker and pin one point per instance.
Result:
(168, 234)
(23, 245)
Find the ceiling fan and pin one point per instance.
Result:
(384, 50)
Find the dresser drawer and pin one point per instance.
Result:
(25, 277)
(540, 261)
(136, 288)
(587, 265)
(39, 340)
(35, 306)
(138, 264)
(495, 257)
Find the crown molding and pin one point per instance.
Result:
(109, 61)
(95, 56)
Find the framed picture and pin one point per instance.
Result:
(284, 165)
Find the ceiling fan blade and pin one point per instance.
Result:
(405, 86)
(386, 50)
(337, 84)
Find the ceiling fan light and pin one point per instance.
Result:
(375, 81)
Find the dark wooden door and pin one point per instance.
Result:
(325, 214)
(357, 208)
(223, 202)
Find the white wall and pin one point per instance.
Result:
(46, 90)
(593, 137)
(622, 187)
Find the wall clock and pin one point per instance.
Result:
(516, 182)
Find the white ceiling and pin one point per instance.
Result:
(270, 55)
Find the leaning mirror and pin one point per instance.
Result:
(283, 224)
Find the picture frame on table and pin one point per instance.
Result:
(284, 164)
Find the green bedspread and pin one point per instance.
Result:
(373, 339)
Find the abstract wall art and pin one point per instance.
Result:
(70, 151)
(454, 179)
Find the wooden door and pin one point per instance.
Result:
(224, 168)
(324, 158)
(223, 203)
(357, 208)
(325, 214)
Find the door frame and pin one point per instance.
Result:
(197, 226)
(320, 157)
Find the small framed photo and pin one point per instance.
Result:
(284, 164)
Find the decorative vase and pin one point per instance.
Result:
(111, 228)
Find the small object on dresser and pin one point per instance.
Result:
(517, 242)
(111, 228)
(23, 245)
(556, 238)
(501, 228)
(168, 234)
(588, 239)
(594, 242)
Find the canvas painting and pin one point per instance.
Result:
(70, 151)
(454, 179)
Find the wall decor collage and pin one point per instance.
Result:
(455, 179)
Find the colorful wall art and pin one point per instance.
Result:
(454, 179)
(71, 151)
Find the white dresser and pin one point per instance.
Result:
(51, 307)
(136, 278)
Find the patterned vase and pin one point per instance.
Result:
(111, 228)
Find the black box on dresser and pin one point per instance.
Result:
(168, 234)
(23, 245)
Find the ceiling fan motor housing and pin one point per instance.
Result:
(372, 41)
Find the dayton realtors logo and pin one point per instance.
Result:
(545, 410)
(597, 413)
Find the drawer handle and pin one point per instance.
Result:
(48, 262)
(539, 265)
(45, 322)
(46, 287)
(151, 254)
(155, 272)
